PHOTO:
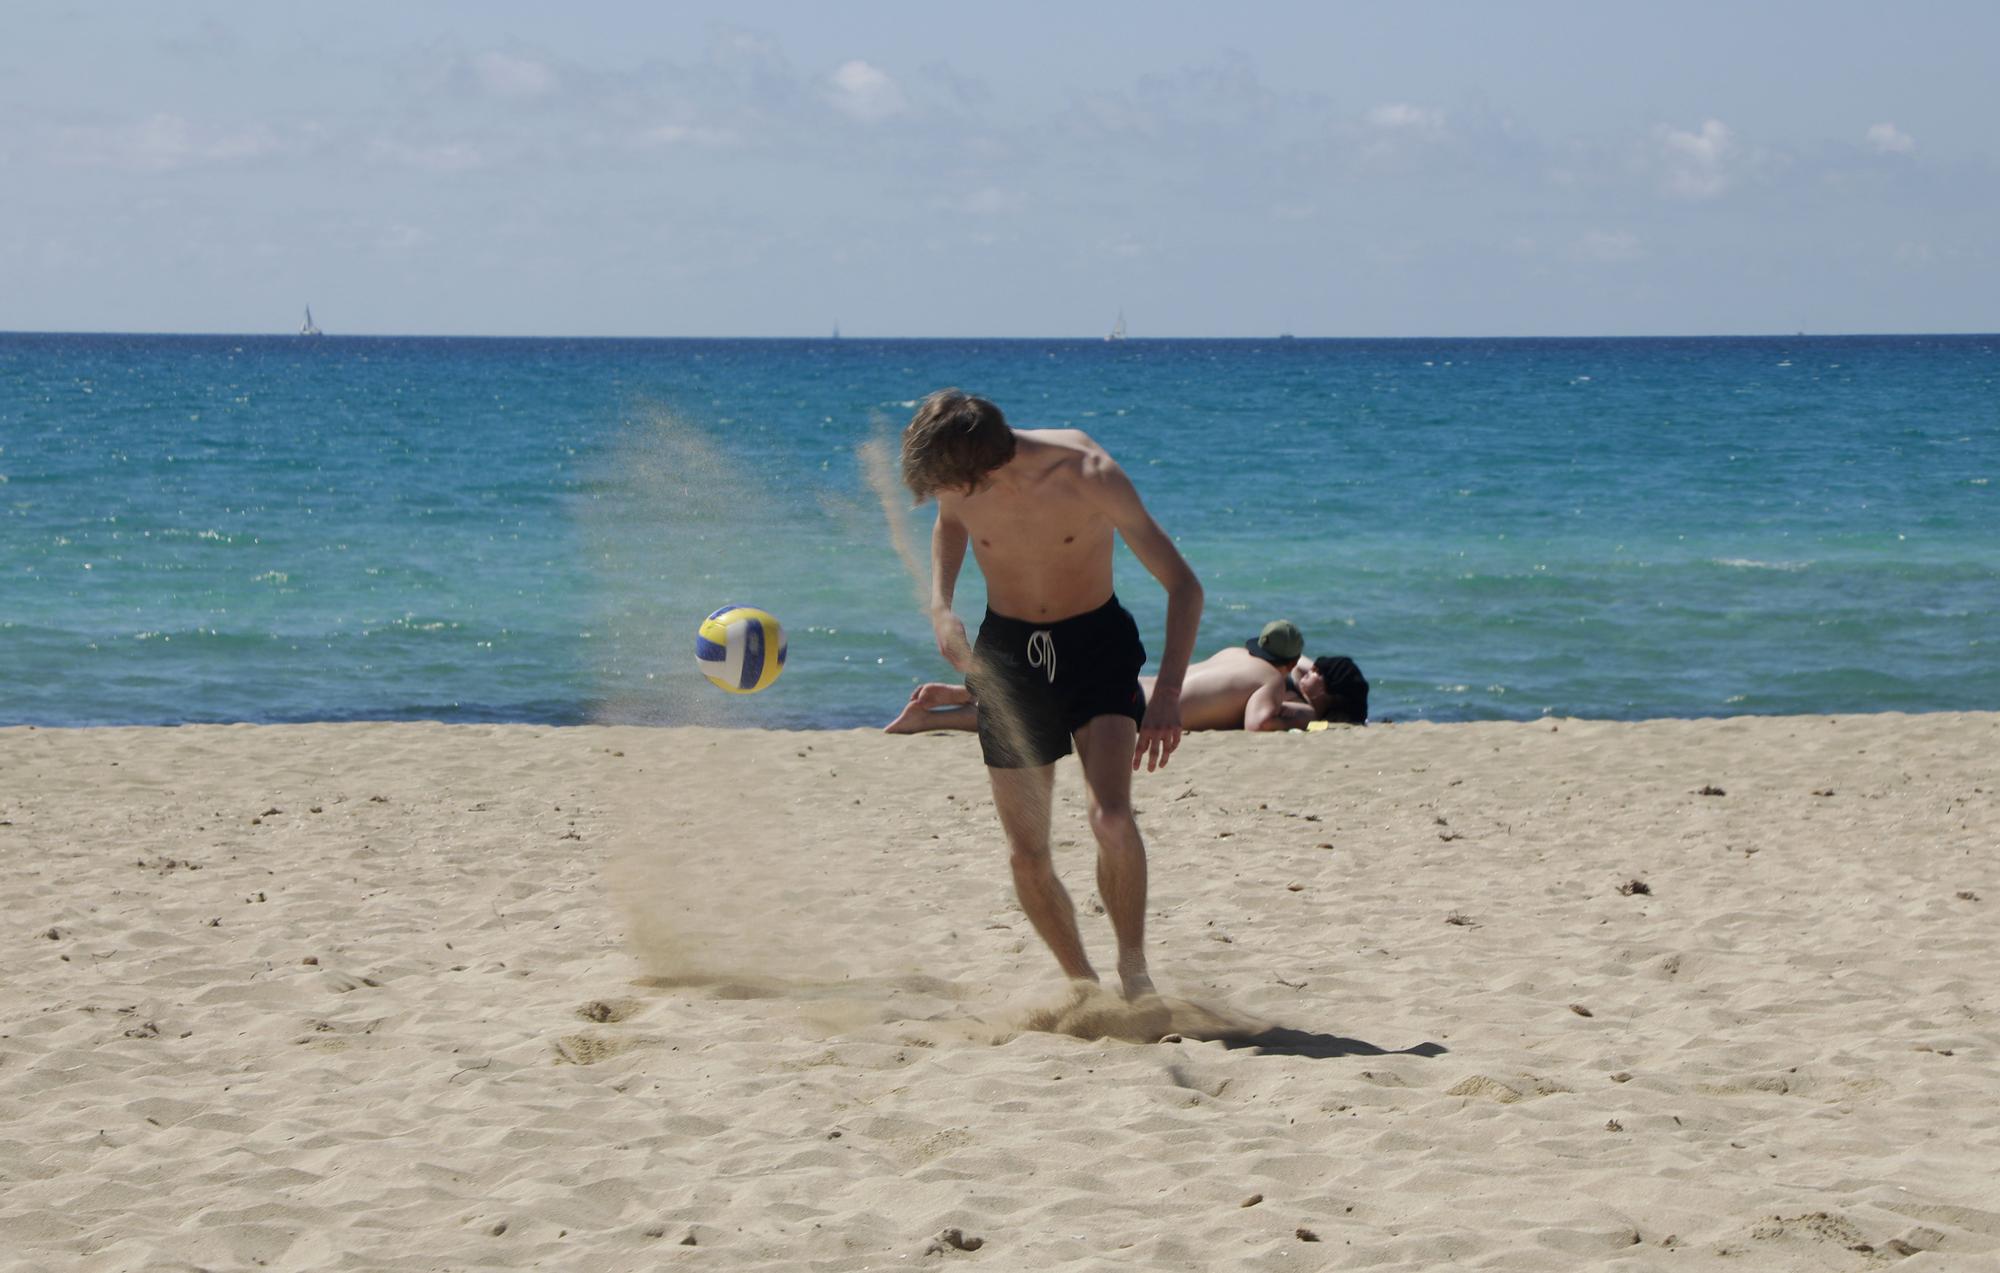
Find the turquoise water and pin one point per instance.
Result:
(255, 529)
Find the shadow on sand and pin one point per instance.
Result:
(1283, 1041)
(1084, 1011)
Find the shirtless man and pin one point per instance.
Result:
(1263, 684)
(1056, 665)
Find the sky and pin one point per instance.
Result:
(1030, 169)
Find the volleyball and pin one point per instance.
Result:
(740, 648)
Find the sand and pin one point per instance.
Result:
(1519, 996)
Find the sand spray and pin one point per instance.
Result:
(704, 877)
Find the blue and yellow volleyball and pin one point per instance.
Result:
(740, 648)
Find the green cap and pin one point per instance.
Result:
(1279, 642)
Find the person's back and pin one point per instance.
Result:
(1218, 689)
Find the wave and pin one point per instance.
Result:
(1751, 563)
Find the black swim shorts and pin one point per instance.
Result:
(1038, 684)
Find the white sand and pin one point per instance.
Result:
(809, 1054)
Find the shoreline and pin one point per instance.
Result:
(1386, 723)
(382, 994)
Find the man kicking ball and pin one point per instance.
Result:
(1056, 665)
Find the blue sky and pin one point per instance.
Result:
(1029, 169)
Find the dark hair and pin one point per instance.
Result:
(954, 440)
(1346, 689)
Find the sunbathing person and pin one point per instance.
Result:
(1264, 684)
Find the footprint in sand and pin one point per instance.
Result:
(1090, 1012)
(1816, 1227)
(604, 1011)
(1985, 1223)
(1505, 1093)
(584, 1049)
(718, 986)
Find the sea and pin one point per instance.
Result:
(277, 529)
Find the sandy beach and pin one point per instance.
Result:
(1552, 995)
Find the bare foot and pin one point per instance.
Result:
(915, 718)
(1136, 985)
(939, 694)
(935, 706)
(908, 721)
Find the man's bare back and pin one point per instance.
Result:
(1220, 688)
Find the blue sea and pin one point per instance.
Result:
(214, 528)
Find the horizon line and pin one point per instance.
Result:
(1081, 339)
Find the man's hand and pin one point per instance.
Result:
(951, 642)
(1160, 732)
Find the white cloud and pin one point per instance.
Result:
(1891, 140)
(1401, 116)
(1397, 130)
(989, 201)
(404, 238)
(864, 92)
(1697, 162)
(1609, 247)
(702, 135)
(162, 143)
(444, 157)
(506, 76)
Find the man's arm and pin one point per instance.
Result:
(1160, 732)
(948, 540)
(1269, 710)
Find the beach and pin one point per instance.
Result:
(1514, 995)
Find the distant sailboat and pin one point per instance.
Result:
(836, 331)
(311, 328)
(1118, 332)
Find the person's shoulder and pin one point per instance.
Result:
(1074, 452)
(1066, 439)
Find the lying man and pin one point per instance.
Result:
(1263, 684)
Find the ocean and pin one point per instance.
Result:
(218, 528)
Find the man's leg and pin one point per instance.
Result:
(1023, 797)
(1104, 745)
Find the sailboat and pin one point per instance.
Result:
(311, 328)
(1118, 332)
